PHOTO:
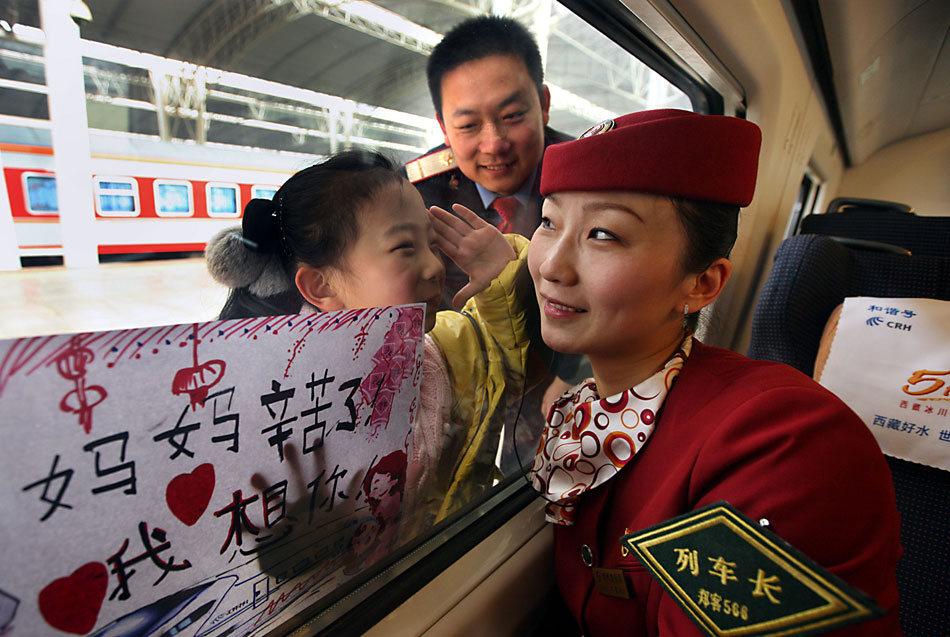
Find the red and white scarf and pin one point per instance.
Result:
(587, 440)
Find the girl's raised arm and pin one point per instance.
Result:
(474, 245)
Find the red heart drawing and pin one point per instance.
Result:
(188, 494)
(71, 604)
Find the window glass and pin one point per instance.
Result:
(173, 199)
(22, 79)
(41, 193)
(223, 200)
(117, 197)
(264, 192)
(591, 78)
(286, 111)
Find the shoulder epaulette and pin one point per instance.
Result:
(435, 163)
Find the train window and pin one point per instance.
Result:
(40, 193)
(22, 80)
(117, 196)
(805, 201)
(173, 198)
(224, 200)
(263, 192)
(591, 77)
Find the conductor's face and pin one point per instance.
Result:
(494, 120)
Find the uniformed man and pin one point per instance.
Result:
(487, 86)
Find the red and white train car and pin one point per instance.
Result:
(150, 196)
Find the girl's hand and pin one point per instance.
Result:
(474, 245)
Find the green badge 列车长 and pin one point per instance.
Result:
(733, 577)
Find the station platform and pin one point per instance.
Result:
(57, 300)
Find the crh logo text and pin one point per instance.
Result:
(875, 321)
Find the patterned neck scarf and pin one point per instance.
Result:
(587, 440)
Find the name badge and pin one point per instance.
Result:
(733, 577)
(611, 582)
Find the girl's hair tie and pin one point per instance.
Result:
(261, 225)
(236, 261)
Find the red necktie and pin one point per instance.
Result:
(507, 208)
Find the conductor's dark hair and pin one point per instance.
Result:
(311, 220)
(477, 38)
(711, 229)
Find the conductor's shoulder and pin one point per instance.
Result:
(437, 161)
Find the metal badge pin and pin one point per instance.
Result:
(587, 555)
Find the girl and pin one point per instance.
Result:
(350, 233)
(639, 219)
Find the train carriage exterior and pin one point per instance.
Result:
(143, 203)
(195, 111)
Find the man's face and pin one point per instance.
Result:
(493, 120)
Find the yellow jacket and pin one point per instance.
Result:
(486, 349)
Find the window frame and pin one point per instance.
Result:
(363, 601)
(237, 200)
(809, 190)
(98, 191)
(619, 23)
(158, 183)
(27, 204)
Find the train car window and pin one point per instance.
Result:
(173, 198)
(224, 200)
(117, 197)
(140, 103)
(119, 96)
(592, 77)
(805, 201)
(263, 192)
(22, 80)
(40, 193)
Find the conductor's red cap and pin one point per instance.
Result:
(664, 152)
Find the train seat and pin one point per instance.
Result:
(874, 220)
(811, 275)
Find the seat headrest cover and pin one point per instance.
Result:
(664, 152)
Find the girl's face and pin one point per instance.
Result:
(381, 485)
(608, 276)
(395, 260)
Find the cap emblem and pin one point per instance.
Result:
(597, 129)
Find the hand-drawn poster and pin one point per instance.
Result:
(129, 500)
(889, 361)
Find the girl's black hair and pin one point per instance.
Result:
(310, 220)
(711, 230)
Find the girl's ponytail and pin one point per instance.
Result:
(247, 259)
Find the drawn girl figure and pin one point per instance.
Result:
(352, 232)
(383, 487)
